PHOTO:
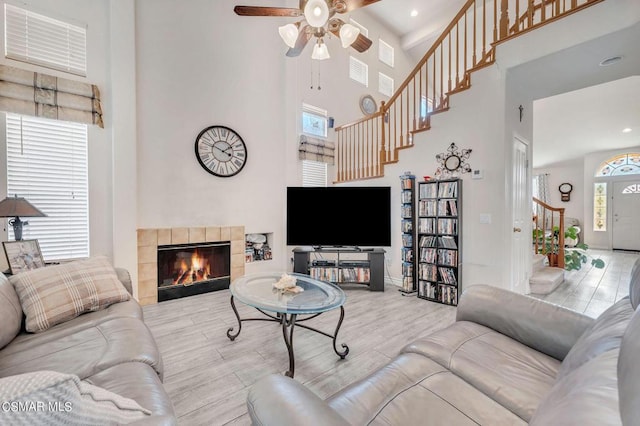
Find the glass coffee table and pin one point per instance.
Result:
(257, 290)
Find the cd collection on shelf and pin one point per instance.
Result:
(407, 186)
(345, 273)
(438, 236)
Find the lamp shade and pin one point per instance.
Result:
(18, 206)
(316, 12)
(289, 34)
(320, 51)
(348, 34)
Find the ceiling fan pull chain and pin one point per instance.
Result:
(319, 88)
(311, 75)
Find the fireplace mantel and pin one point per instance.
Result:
(150, 238)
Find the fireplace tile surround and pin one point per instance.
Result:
(150, 238)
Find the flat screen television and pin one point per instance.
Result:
(339, 216)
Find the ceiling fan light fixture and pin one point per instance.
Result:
(320, 51)
(316, 12)
(289, 34)
(348, 34)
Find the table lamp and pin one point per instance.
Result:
(16, 207)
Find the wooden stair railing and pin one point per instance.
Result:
(467, 44)
(546, 240)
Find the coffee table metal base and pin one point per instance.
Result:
(289, 322)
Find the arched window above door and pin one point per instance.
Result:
(620, 165)
(632, 189)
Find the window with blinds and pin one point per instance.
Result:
(41, 40)
(314, 173)
(358, 71)
(47, 164)
(385, 84)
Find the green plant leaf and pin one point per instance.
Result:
(597, 263)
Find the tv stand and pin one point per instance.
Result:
(367, 270)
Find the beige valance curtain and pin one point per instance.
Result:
(316, 149)
(42, 95)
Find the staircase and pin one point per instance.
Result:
(548, 248)
(468, 44)
(544, 279)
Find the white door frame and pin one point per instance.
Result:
(521, 211)
(611, 186)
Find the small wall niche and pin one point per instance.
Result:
(257, 247)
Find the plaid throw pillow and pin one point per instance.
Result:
(59, 293)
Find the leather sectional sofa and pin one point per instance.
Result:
(507, 360)
(111, 348)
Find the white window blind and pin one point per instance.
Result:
(385, 53)
(47, 165)
(314, 173)
(358, 71)
(41, 40)
(385, 84)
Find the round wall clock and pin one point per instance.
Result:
(565, 191)
(368, 105)
(221, 151)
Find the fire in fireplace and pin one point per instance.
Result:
(189, 269)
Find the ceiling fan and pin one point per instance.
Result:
(318, 19)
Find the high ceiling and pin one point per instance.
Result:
(416, 31)
(580, 107)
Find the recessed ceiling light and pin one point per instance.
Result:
(414, 13)
(610, 61)
(626, 130)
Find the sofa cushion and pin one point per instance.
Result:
(141, 383)
(629, 373)
(85, 352)
(59, 293)
(634, 285)
(603, 335)
(587, 395)
(412, 389)
(510, 373)
(128, 309)
(10, 312)
(49, 397)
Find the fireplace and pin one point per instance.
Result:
(190, 269)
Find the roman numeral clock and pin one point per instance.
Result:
(221, 151)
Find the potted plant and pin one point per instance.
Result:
(574, 257)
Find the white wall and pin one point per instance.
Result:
(572, 172)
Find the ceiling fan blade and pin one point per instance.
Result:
(266, 11)
(356, 4)
(303, 38)
(362, 43)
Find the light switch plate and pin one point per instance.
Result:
(485, 218)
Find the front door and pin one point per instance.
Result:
(626, 205)
(521, 220)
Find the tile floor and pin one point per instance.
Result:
(591, 291)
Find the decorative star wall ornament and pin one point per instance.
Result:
(452, 162)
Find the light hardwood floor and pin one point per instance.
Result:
(207, 376)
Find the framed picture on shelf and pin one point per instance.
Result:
(23, 255)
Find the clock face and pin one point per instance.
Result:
(221, 151)
(368, 104)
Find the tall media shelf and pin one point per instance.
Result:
(407, 226)
(439, 222)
